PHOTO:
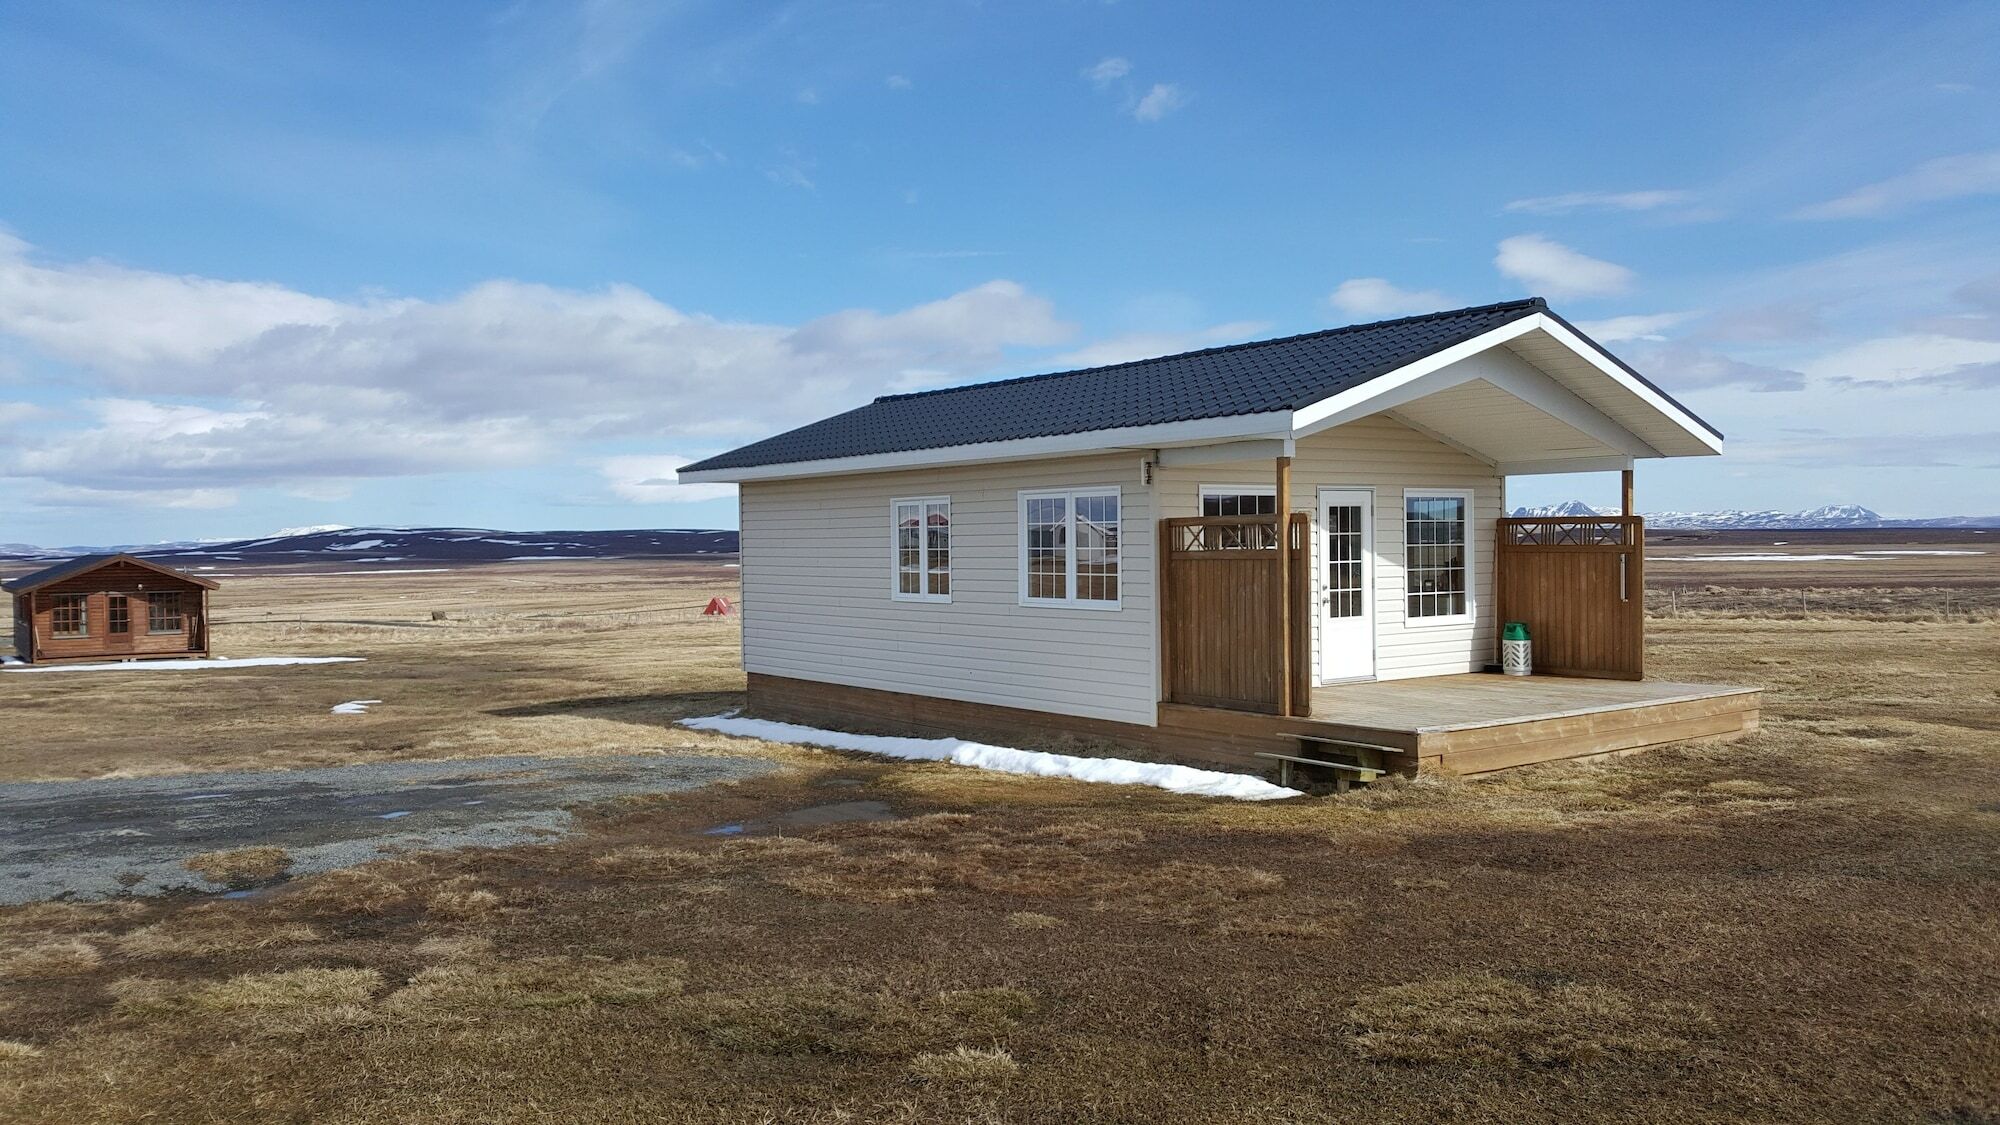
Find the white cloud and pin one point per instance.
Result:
(1684, 367)
(1947, 177)
(808, 96)
(1556, 270)
(1162, 99)
(1905, 359)
(1640, 327)
(655, 479)
(1597, 201)
(897, 82)
(208, 384)
(1108, 70)
(1377, 297)
(1148, 345)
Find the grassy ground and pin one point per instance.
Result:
(1796, 926)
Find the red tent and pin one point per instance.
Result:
(718, 607)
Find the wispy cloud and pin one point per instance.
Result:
(1685, 367)
(1646, 326)
(1378, 297)
(1555, 270)
(897, 82)
(1156, 103)
(1106, 71)
(1947, 177)
(1597, 201)
(655, 479)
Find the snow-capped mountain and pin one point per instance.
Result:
(415, 544)
(1828, 517)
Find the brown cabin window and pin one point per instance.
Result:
(163, 613)
(70, 615)
(117, 614)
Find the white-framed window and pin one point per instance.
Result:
(1069, 547)
(1437, 555)
(1239, 500)
(920, 549)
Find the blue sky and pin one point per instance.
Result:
(268, 265)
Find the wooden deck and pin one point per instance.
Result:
(1477, 723)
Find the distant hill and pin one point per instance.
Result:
(1831, 516)
(376, 545)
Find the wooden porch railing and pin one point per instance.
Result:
(1580, 585)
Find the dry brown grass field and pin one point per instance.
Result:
(1795, 926)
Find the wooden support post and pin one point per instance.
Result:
(1625, 483)
(1284, 584)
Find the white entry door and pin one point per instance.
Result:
(1347, 587)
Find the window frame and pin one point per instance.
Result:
(117, 615)
(180, 614)
(924, 567)
(1069, 496)
(60, 602)
(1219, 490)
(1471, 614)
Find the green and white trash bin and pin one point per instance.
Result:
(1517, 657)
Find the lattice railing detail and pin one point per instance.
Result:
(1207, 534)
(1604, 531)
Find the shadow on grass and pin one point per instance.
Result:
(656, 709)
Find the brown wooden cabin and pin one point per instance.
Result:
(109, 607)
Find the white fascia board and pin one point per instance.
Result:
(1393, 389)
(1564, 465)
(1265, 449)
(1355, 402)
(1562, 335)
(1274, 425)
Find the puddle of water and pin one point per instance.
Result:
(725, 830)
(394, 815)
(470, 803)
(205, 797)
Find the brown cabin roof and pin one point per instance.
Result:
(84, 564)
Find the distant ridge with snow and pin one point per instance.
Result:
(1831, 517)
(370, 546)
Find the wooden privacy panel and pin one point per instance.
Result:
(1579, 584)
(1219, 625)
(1300, 577)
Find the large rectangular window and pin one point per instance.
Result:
(69, 615)
(1437, 561)
(117, 614)
(923, 549)
(163, 613)
(1069, 548)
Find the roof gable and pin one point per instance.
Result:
(84, 564)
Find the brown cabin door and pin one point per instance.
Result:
(117, 619)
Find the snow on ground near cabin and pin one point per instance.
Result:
(1857, 556)
(1006, 759)
(185, 665)
(353, 707)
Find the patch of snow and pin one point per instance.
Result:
(354, 707)
(185, 665)
(1005, 759)
(4, 660)
(364, 545)
(315, 529)
(341, 573)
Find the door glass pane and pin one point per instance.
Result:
(1343, 560)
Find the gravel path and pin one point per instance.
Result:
(95, 839)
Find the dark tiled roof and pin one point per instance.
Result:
(1253, 378)
(83, 563)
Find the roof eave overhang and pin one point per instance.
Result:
(1200, 431)
(1385, 392)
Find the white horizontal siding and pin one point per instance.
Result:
(1389, 457)
(816, 586)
